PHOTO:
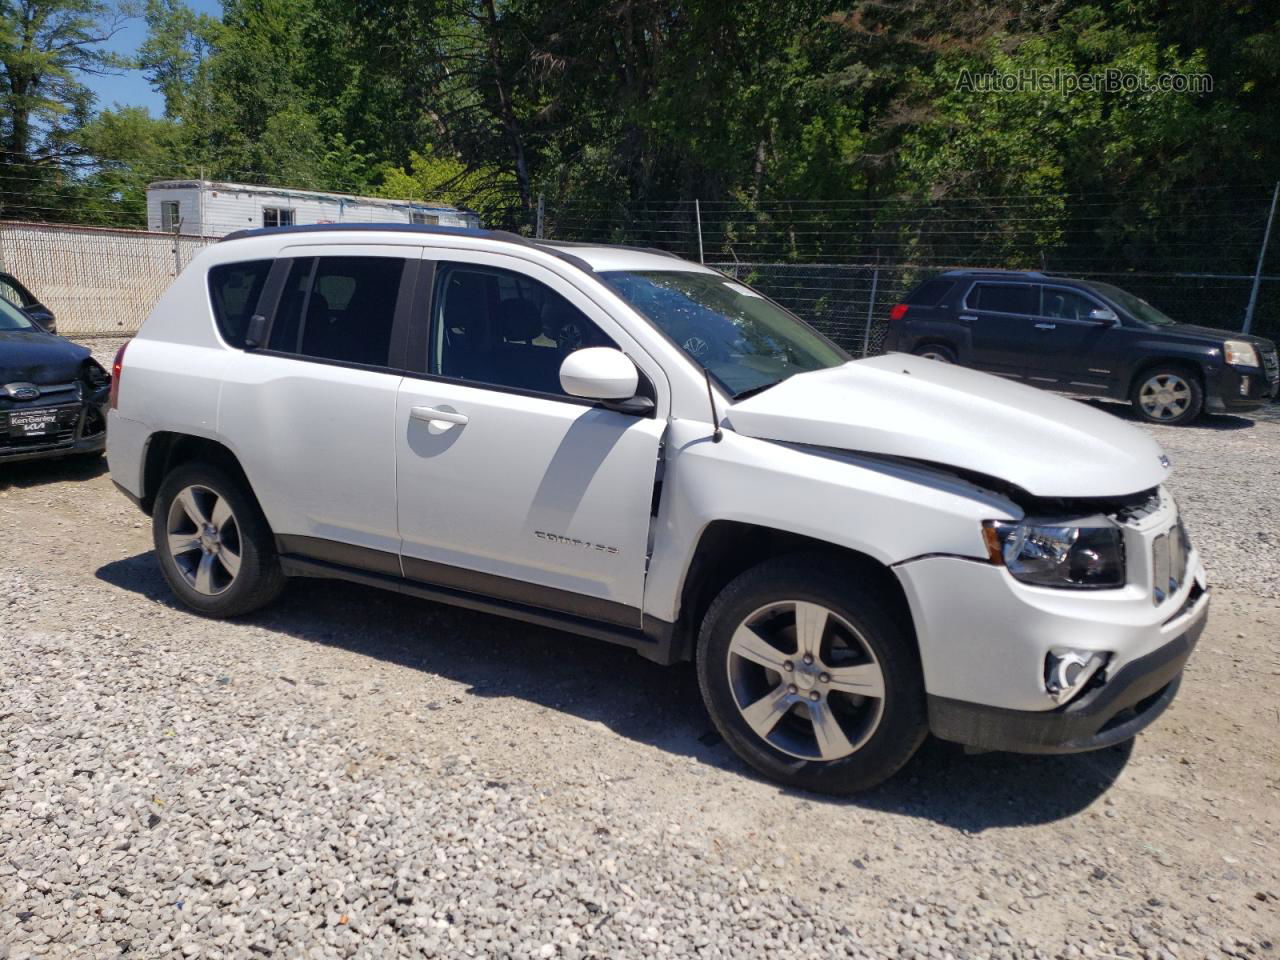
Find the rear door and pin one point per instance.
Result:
(1001, 318)
(311, 415)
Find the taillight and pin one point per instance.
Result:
(898, 312)
(117, 368)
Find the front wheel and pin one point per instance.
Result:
(1168, 395)
(213, 544)
(810, 678)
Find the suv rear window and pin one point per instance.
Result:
(930, 293)
(234, 289)
(1002, 298)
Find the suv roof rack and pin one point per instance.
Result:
(993, 272)
(553, 247)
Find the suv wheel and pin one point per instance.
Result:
(810, 678)
(1167, 394)
(214, 546)
(936, 351)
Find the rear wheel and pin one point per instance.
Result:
(213, 544)
(1168, 394)
(936, 351)
(810, 678)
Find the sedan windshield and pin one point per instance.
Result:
(1132, 304)
(11, 318)
(743, 340)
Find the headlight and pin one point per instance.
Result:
(1086, 556)
(1238, 353)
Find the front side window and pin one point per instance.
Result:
(234, 289)
(1060, 304)
(1133, 304)
(745, 341)
(498, 327)
(424, 218)
(277, 217)
(339, 308)
(1002, 298)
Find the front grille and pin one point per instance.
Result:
(63, 436)
(1271, 364)
(1169, 554)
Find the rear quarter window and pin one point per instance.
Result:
(234, 289)
(930, 293)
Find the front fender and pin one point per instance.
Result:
(890, 511)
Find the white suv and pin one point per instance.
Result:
(636, 448)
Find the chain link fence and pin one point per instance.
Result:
(97, 281)
(841, 266)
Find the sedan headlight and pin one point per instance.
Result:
(1240, 353)
(1087, 555)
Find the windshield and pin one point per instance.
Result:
(1134, 305)
(743, 340)
(11, 318)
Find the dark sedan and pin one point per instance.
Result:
(53, 394)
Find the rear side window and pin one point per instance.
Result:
(1002, 298)
(930, 293)
(234, 289)
(339, 308)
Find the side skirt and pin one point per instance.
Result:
(656, 641)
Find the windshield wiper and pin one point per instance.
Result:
(752, 391)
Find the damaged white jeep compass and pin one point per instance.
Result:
(636, 448)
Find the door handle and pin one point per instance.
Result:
(1046, 326)
(434, 415)
(968, 317)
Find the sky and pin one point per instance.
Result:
(130, 88)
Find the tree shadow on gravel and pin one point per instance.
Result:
(35, 473)
(638, 699)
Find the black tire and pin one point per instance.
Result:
(259, 579)
(1170, 373)
(813, 578)
(936, 351)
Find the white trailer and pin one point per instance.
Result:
(207, 208)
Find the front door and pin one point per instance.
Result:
(1082, 355)
(507, 486)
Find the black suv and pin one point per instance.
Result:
(1084, 337)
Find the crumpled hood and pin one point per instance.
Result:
(905, 406)
(33, 356)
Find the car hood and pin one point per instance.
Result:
(1214, 335)
(905, 406)
(31, 356)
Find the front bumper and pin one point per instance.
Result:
(1240, 389)
(81, 430)
(1113, 710)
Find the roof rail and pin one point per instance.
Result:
(502, 236)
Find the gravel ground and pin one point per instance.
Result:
(353, 773)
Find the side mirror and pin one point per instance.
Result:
(606, 374)
(1102, 315)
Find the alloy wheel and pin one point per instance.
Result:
(805, 680)
(204, 539)
(935, 355)
(1165, 396)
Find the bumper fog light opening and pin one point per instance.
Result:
(1067, 672)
